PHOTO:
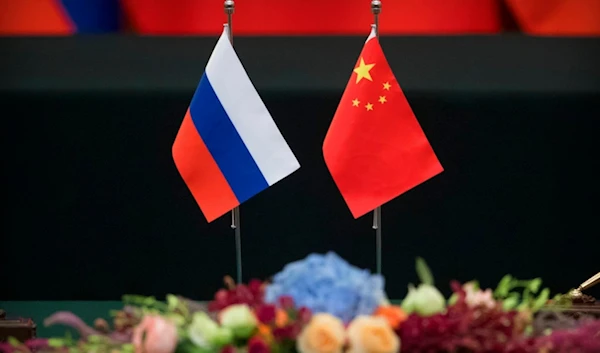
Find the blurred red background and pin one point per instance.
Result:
(300, 17)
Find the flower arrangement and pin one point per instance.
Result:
(327, 283)
(322, 304)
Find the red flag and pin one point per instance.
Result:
(375, 148)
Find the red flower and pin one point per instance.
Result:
(462, 328)
(37, 343)
(256, 286)
(228, 349)
(283, 333)
(6, 347)
(286, 302)
(266, 313)
(257, 345)
(252, 295)
(304, 315)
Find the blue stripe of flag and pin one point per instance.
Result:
(224, 143)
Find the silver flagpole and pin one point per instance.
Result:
(229, 6)
(376, 10)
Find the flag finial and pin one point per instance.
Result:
(229, 6)
(376, 7)
(376, 10)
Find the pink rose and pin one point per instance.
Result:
(155, 335)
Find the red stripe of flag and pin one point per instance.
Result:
(207, 184)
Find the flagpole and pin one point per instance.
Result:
(229, 7)
(376, 10)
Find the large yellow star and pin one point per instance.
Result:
(362, 71)
(369, 106)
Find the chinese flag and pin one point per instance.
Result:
(375, 148)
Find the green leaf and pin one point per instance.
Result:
(526, 297)
(186, 346)
(534, 285)
(69, 338)
(127, 348)
(504, 287)
(453, 299)
(172, 302)
(96, 339)
(13, 341)
(144, 302)
(56, 342)
(178, 319)
(423, 272)
(149, 301)
(541, 300)
(511, 302)
(523, 306)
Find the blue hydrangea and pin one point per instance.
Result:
(327, 283)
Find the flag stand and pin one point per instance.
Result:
(376, 10)
(377, 227)
(235, 225)
(229, 7)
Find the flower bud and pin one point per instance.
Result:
(206, 333)
(239, 319)
(425, 300)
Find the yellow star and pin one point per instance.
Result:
(362, 71)
(355, 102)
(382, 99)
(369, 106)
(386, 86)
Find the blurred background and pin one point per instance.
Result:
(93, 93)
(300, 17)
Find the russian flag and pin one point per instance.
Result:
(228, 147)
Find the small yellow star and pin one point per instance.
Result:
(369, 106)
(355, 102)
(386, 86)
(382, 99)
(362, 71)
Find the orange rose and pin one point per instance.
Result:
(372, 334)
(324, 333)
(393, 314)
